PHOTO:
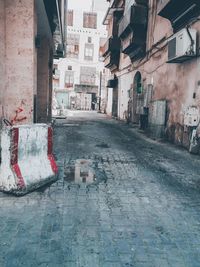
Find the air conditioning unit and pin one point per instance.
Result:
(182, 46)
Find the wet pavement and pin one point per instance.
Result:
(122, 200)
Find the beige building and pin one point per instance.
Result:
(153, 54)
(26, 55)
(79, 80)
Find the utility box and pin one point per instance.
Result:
(157, 118)
(191, 117)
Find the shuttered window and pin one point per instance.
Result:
(90, 20)
(73, 45)
(70, 17)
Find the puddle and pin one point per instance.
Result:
(67, 125)
(84, 171)
(70, 125)
(103, 145)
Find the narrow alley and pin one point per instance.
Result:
(121, 200)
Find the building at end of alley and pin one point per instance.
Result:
(79, 80)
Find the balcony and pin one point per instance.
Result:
(111, 12)
(112, 61)
(179, 14)
(111, 46)
(134, 45)
(86, 89)
(134, 19)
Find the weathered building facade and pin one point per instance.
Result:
(26, 54)
(79, 79)
(153, 54)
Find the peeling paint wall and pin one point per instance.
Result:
(175, 82)
(178, 84)
(25, 70)
(19, 60)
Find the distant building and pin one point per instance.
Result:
(79, 79)
(26, 55)
(153, 53)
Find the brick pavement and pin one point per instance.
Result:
(142, 211)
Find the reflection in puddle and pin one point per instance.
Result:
(83, 171)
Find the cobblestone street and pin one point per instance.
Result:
(140, 208)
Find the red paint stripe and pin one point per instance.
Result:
(17, 171)
(14, 157)
(50, 151)
(53, 163)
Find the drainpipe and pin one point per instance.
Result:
(65, 24)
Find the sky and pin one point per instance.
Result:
(86, 4)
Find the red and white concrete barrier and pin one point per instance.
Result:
(27, 161)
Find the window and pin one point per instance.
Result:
(70, 17)
(73, 45)
(89, 40)
(69, 68)
(89, 51)
(90, 20)
(88, 75)
(69, 79)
